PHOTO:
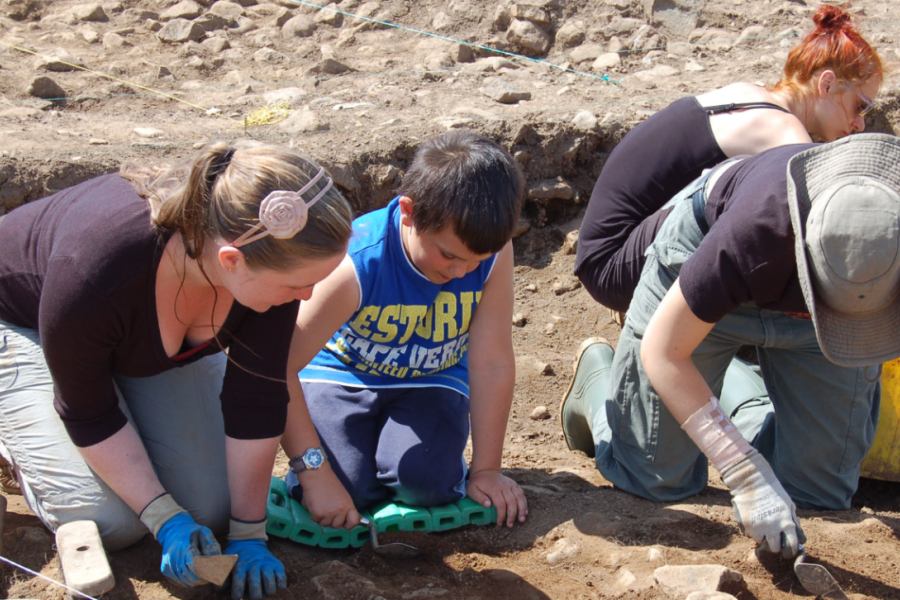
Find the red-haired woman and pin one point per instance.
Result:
(830, 82)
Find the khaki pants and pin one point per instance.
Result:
(177, 414)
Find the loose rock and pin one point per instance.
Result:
(299, 26)
(570, 246)
(148, 132)
(504, 92)
(710, 596)
(607, 61)
(540, 413)
(89, 12)
(186, 9)
(114, 41)
(519, 319)
(90, 36)
(59, 62)
(651, 75)
(528, 37)
(586, 52)
(461, 53)
(571, 33)
(551, 189)
(329, 66)
(45, 88)
(226, 9)
(654, 555)
(441, 21)
(178, 31)
(530, 13)
(563, 287)
(562, 550)
(329, 17)
(683, 580)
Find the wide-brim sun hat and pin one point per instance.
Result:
(844, 199)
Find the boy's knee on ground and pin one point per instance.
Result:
(429, 487)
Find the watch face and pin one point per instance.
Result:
(313, 459)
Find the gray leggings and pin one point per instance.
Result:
(177, 415)
(824, 415)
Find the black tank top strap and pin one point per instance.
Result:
(727, 108)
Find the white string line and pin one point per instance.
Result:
(53, 581)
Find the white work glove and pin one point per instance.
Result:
(762, 509)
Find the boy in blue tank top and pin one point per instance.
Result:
(409, 341)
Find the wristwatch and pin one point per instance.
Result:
(311, 460)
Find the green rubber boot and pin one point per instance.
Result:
(586, 394)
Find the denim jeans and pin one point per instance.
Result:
(177, 415)
(823, 416)
(404, 444)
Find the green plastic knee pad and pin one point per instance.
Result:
(286, 518)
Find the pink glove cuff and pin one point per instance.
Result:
(716, 435)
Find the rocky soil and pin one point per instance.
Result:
(84, 86)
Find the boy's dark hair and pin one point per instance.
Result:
(470, 183)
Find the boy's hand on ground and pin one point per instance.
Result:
(491, 487)
(327, 501)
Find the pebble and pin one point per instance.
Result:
(586, 52)
(329, 66)
(299, 26)
(148, 132)
(114, 41)
(694, 66)
(542, 367)
(570, 246)
(562, 550)
(606, 61)
(186, 9)
(89, 12)
(97, 142)
(504, 92)
(90, 36)
(59, 62)
(571, 33)
(45, 88)
(563, 287)
(180, 30)
(329, 17)
(867, 511)
(654, 555)
(531, 288)
(651, 75)
(461, 53)
(540, 413)
(685, 579)
(585, 121)
(519, 320)
(710, 596)
(528, 37)
(551, 189)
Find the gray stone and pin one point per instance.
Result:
(90, 36)
(229, 10)
(269, 55)
(329, 17)
(683, 580)
(45, 88)
(329, 66)
(528, 37)
(214, 22)
(585, 121)
(216, 44)
(571, 33)
(299, 26)
(186, 9)
(441, 20)
(114, 41)
(89, 12)
(59, 61)
(461, 53)
(540, 413)
(530, 13)
(438, 60)
(651, 75)
(677, 17)
(504, 92)
(502, 17)
(607, 61)
(551, 189)
(586, 52)
(178, 31)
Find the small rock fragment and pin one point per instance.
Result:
(570, 246)
(45, 88)
(461, 53)
(299, 26)
(551, 189)
(114, 41)
(186, 9)
(562, 550)
(606, 61)
(651, 75)
(177, 31)
(519, 319)
(528, 37)
(97, 142)
(527, 12)
(329, 17)
(226, 9)
(654, 555)
(571, 33)
(710, 596)
(693, 66)
(585, 121)
(540, 413)
(562, 287)
(329, 66)
(89, 12)
(148, 132)
(686, 579)
(504, 92)
(60, 61)
(531, 288)
(90, 36)
(216, 44)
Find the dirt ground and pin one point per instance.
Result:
(360, 95)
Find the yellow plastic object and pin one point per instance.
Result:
(883, 460)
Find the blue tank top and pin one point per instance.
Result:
(407, 331)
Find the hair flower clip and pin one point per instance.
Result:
(283, 214)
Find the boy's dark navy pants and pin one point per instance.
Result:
(399, 444)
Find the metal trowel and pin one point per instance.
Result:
(392, 550)
(816, 579)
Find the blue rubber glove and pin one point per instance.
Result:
(257, 570)
(182, 539)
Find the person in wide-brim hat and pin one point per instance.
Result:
(795, 251)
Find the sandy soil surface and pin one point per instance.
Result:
(360, 96)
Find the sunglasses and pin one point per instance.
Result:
(869, 105)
